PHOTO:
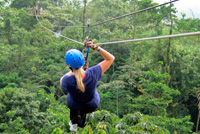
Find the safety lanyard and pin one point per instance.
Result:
(87, 53)
(88, 50)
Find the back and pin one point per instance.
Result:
(92, 76)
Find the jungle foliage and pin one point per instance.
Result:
(150, 88)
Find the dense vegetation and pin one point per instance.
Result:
(151, 87)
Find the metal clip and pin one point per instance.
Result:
(86, 40)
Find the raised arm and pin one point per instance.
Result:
(108, 57)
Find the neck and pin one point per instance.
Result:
(82, 72)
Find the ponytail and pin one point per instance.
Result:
(79, 73)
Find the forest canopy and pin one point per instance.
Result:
(153, 86)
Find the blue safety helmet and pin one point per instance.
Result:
(74, 58)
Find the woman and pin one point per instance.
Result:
(82, 97)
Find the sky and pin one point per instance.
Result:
(189, 7)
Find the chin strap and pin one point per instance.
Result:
(71, 69)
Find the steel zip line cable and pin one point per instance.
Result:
(71, 26)
(133, 40)
(133, 13)
(56, 33)
(123, 15)
(151, 38)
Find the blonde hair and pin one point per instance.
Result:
(79, 73)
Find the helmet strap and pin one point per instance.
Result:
(71, 69)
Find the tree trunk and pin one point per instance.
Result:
(133, 27)
(117, 98)
(9, 37)
(113, 65)
(35, 8)
(197, 126)
(198, 97)
(131, 62)
(20, 57)
(168, 50)
(84, 11)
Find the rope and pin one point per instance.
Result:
(132, 13)
(56, 33)
(151, 38)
